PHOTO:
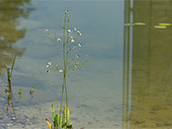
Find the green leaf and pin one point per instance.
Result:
(165, 24)
(19, 93)
(52, 109)
(160, 27)
(69, 124)
(129, 24)
(59, 120)
(55, 122)
(13, 64)
(53, 113)
(66, 112)
(140, 23)
(53, 116)
(20, 90)
(64, 124)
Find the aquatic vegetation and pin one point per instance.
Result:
(135, 24)
(20, 92)
(159, 26)
(9, 74)
(68, 42)
(165, 24)
(162, 25)
(8, 91)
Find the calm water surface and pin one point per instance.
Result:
(126, 84)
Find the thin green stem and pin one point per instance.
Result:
(13, 64)
(61, 98)
(64, 60)
(67, 52)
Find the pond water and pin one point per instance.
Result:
(125, 84)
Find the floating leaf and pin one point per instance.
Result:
(48, 123)
(165, 24)
(140, 23)
(129, 24)
(160, 27)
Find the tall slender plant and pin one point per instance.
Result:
(70, 64)
(9, 75)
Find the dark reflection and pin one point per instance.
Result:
(10, 12)
(147, 90)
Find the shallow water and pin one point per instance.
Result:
(126, 83)
(95, 93)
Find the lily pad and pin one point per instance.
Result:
(165, 24)
(140, 23)
(129, 24)
(160, 27)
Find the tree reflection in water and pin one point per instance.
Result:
(10, 12)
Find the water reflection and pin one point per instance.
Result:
(10, 12)
(147, 92)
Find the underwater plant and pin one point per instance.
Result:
(8, 91)
(9, 74)
(70, 64)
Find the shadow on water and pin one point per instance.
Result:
(147, 92)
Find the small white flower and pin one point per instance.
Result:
(75, 28)
(77, 56)
(75, 66)
(59, 40)
(46, 30)
(69, 30)
(72, 40)
(71, 37)
(49, 63)
(79, 33)
(61, 70)
(47, 66)
(79, 45)
(66, 11)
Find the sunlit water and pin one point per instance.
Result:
(95, 92)
(126, 83)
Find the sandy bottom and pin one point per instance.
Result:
(31, 114)
(33, 117)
